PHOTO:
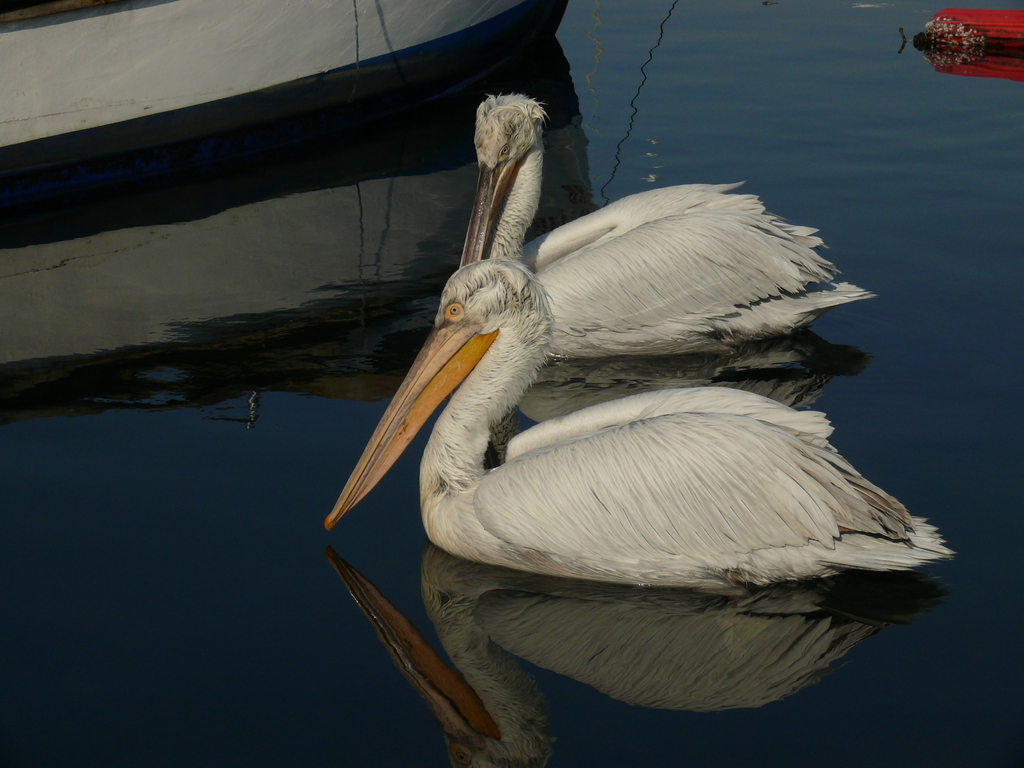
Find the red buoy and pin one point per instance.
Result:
(975, 42)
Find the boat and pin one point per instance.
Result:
(107, 92)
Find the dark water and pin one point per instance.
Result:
(185, 407)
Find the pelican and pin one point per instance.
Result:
(680, 269)
(683, 487)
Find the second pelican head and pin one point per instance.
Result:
(509, 149)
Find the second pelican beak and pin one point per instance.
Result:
(491, 188)
(449, 354)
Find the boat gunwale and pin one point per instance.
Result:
(36, 10)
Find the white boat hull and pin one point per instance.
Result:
(126, 60)
(110, 83)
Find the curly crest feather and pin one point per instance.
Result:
(511, 120)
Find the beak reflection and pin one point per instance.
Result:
(457, 708)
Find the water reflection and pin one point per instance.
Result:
(315, 273)
(790, 369)
(663, 648)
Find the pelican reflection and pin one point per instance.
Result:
(491, 714)
(791, 370)
(665, 648)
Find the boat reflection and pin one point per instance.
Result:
(663, 648)
(315, 273)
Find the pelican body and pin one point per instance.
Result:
(681, 269)
(677, 487)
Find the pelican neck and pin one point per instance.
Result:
(520, 206)
(453, 460)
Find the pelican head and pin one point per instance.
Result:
(509, 150)
(492, 313)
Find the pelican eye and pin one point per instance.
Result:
(454, 312)
(504, 151)
(461, 754)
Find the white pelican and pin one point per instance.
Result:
(673, 487)
(679, 269)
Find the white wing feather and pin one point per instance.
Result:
(679, 275)
(712, 486)
(646, 405)
(681, 269)
(617, 218)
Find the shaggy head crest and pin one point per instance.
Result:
(507, 126)
(494, 292)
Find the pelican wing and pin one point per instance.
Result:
(813, 424)
(618, 218)
(678, 276)
(681, 485)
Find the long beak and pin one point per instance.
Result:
(450, 353)
(453, 703)
(491, 188)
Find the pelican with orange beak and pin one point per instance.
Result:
(676, 487)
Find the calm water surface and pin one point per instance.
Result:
(176, 424)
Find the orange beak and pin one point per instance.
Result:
(449, 354)
(491, 187)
